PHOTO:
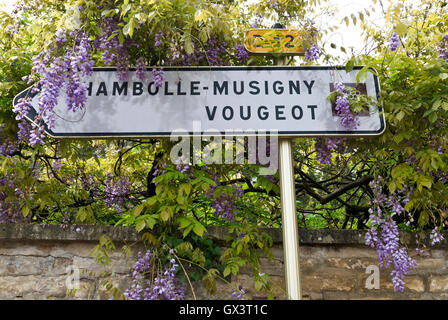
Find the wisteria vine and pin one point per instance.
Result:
(348, 119)
(147, 285)
(384, 236)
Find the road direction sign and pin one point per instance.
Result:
(290, 100)
(281, 41)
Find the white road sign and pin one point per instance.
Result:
(203, 100)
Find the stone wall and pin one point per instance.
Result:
(38, 262)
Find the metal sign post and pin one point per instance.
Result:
(289, 220)
(290, 230)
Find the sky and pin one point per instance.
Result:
(348, 37)
(6, 5)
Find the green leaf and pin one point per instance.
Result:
(400, 115)
(131, 26)
(159, 189)
(401, 28)
(151, 201)
(423, 181)
(433, 117)
(226, 271)
(165, 214)
(26, 211)
(184, 222)
(199, 229)
(81, 215)
(423, 218)
(141, 224)
(362, 75)
(150, 221)
(392, 187)
(350, 64)
(137, 210)
(185, 188)
(120, 38)
(427, 112)
(188, 44)
(187, 230)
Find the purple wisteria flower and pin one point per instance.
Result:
(215, 49)
(384, 237)
(312, 53)
(159, 76)
(22, 108)
(8, 146)
(394, 42)
(239, 294)
(157, 39)
(115, 192)
(435, 237)
(258, 20)
(10, 207)
(141, 69)
(79, 59)
(61, 37)
(37, 136)
(347, 118)
(273, 4)
(324, 147)
(224, 205)
(57, 163)
(113, 50)
(54, 74)
(182, 167)
(164, 285)
(24, 131)
(443, 48)
(241, 53)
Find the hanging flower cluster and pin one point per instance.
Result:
(394, 42)
(384, 237)
(161, 285)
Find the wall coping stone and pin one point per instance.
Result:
(54, 232)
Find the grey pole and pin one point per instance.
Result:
(289, 221)
(289, 213)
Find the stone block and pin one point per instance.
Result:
(329, 279)
(274, 268)
(439, 253)
(411, 283)
(25, 265)
(60, 266)
(32, 287)
(359, 264)
(438, 283)
(431, 265)
(335, 295)
(25, 248)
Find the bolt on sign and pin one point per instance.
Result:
(290, 100)
(291, 42)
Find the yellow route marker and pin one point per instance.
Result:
(291, 42)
